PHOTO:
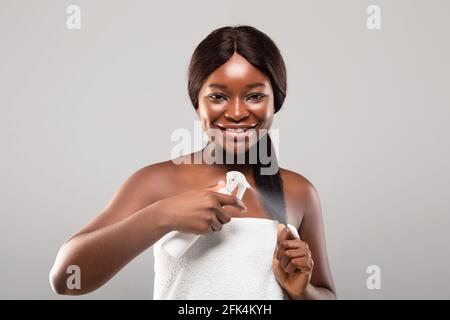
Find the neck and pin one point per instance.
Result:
(227, 164)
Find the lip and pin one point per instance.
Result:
(229, 134)
(236, 126)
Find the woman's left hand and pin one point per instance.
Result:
(292, 263)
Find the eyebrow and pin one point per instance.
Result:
(249, 86)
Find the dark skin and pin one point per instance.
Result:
(166, 196)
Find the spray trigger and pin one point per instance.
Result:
(235, 179)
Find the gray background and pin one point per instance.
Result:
(366, 120)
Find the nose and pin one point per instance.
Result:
(236, 111)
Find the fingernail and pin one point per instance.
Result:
(242, 204)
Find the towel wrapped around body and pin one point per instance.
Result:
(233, 263)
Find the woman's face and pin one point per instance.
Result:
(235, 103)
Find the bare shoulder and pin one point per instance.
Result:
(141, 188)
(300, 193)
(159, 180)
(296, 184)
(153, 181)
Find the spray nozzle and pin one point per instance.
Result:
(236, 179)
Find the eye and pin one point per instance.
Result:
(217, 97)
(256, 97)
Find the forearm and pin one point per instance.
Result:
(314, 293)
(100, 254)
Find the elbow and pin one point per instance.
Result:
(58, 286)
(333, 294)
(61, 284)
(63, 277)
(58, 283)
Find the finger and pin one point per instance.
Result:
(284, 262)
(282, 233)
(280, 274)
(229, 200)
(304, 264)
(216, 187)
(292, 244)
(222, 214)
(298, 263)
(296, 253)
(293, 234)
(278, 253)
(290, 267)
(275, 253)
(216, 225)
(280, 228)
(286, 245)
(288, 255)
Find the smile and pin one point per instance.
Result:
(236, 130)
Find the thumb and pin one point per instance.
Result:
(216, 187)
(280, 274)
(280, 228)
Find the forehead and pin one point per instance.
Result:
(236, 73)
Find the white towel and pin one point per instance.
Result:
(233, 263)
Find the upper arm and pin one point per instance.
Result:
(312, 231)
(138, 191)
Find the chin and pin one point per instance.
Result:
(236, 148)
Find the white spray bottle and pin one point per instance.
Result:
(177, 244)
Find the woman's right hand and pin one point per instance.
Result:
(199, 211)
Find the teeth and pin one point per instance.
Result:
(239, 130)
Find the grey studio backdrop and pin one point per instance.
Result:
(365, 120)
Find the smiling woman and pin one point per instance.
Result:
(237, 82)
(246, 106)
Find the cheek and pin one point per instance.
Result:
(264, 113)
(207, 114)
(268, 121)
